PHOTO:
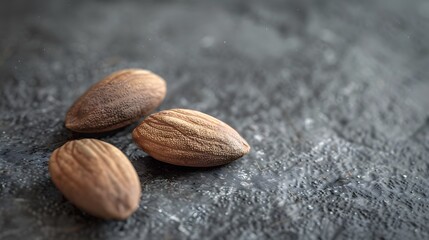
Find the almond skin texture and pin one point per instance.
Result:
(189, 138)
(96, 177)
(116, 101)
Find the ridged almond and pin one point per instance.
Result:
(96, 177)
(189, 138)
(116, 101)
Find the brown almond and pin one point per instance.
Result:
(189, 138)
(96, 177)
(116, 101)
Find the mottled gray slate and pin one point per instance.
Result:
(331, 95)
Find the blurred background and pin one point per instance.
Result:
(331, 95)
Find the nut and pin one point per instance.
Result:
(189, 138)
(116, 101)
(96, 177)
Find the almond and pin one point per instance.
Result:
(96, 177)
(189, 138)
(116, 101)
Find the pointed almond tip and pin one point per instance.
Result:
(70, 122)
(134, 134)
(68, 125)
(72, 127)
(246, 147)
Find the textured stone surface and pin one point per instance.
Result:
(331, 95)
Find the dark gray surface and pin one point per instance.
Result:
(331, 95)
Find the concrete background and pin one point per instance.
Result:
(331, 95)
